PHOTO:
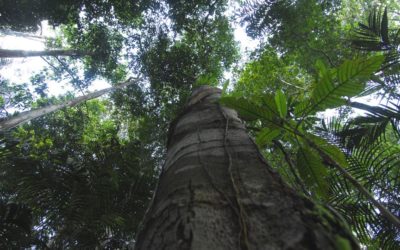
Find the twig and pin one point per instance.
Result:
(291, 165)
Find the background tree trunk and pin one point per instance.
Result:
(7, 53)
(216, 191)
(13, 121)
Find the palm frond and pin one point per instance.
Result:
(373, 36)
(376, 36)
(376, 166)
(15, 225)
(333, 85)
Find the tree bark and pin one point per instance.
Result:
(216, 191)
(6, 53)
(26, 116)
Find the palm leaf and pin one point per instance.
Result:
(247, 109)
(346, 81)
(376, 166)
(375, 35)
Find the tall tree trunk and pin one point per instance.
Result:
(6, 53)
(216, 191)
(26, 116)
(26, 35)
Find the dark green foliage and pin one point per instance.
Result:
(186, 13)
(27, 15)
(15, 225)
(377, 36)
(81, 178)
(373, 160)
(88, 189)
(307, 29)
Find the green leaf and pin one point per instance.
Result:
(247, 109)
(346, 81)
(266, 135)
(384, 28)
(312, 171)
(300, 107)
(343, 243)
(332, 150)
(280, 101)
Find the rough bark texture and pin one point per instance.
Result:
(217, 192)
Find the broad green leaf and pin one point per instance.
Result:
(247, 109)
(346, 81)
(312, 171)
(332, 150)
(280, 101)
(268, 104)
(266, 135)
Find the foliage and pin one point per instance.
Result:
(87, 189)
(27, 15)
(306, 29)
(317, 153)
(81, 177)
(13, 96)
(377, 36)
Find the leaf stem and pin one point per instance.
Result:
(385, 212)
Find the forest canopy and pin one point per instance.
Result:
(319, 93)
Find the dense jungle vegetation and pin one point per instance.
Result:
(319, 93)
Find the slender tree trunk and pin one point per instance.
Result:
(6, 53)
(26, 116)
(216, 191)
(25, 35)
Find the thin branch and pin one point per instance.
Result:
(292, 85)
(50, 64)
(324, 53)
(291, 165)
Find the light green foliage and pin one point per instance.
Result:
(280, 101)
(253, 110)
(269, 72)
(333, 85)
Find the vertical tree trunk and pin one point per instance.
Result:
(217, 192)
